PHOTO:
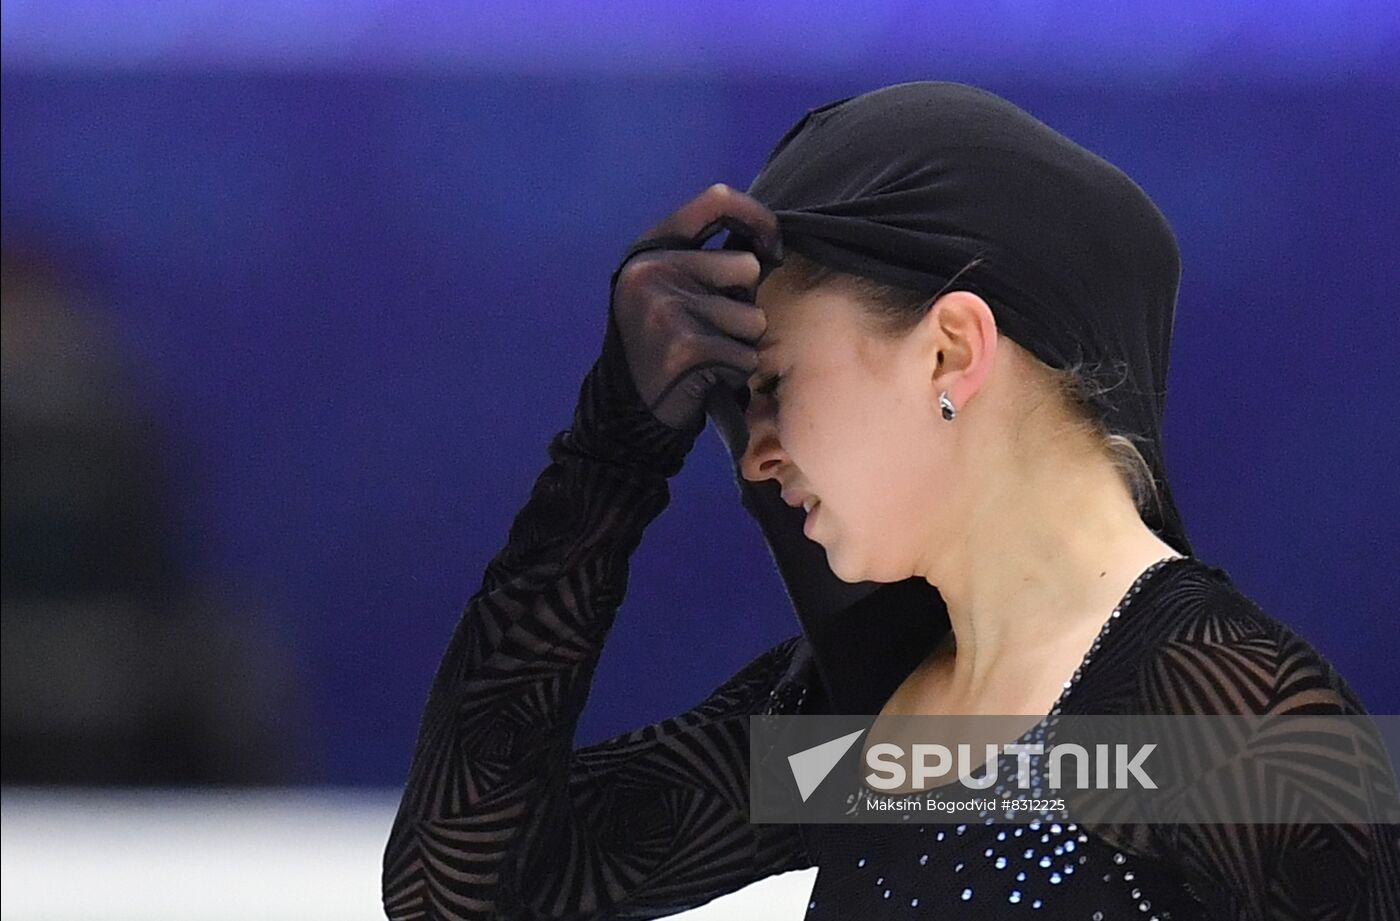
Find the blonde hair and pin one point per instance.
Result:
(896, 310)
(1075, 388)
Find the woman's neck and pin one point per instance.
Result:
(1037, 569)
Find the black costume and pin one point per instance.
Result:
(500, 818)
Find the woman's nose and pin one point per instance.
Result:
(763, 454)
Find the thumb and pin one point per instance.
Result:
(723, 406)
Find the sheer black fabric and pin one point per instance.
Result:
(501, 818)
(1187, 642)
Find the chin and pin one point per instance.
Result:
(843, 569)
(853, 573)
(848, 579)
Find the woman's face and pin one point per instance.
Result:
(854, 421)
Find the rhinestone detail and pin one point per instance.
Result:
(1103, 631)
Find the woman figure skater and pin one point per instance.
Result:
(935, 343)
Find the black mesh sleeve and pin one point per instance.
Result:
(500, 818)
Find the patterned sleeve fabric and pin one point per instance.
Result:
(1224, 656)
(500, 817)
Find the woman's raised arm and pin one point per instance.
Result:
(499, 817)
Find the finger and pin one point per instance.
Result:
(735, 385)
(722, 207)
(729, 417)
(718, 270)
(724, 356)
(728, 317)
(706, 361)
(770, 257)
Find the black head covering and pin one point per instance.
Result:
(929, 183)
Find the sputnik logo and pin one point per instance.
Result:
(810, 766)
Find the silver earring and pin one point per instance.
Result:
(947, 406)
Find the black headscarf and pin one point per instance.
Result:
(938, 186)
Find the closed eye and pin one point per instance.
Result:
(770, 386)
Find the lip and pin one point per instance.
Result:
(795, 499)
(807, 522)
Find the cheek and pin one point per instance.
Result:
(821, 430)
(858, 446)
(892, 449)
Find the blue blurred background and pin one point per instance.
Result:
(296, 293)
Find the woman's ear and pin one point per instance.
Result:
(960, 337)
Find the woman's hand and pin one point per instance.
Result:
(685, 314)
